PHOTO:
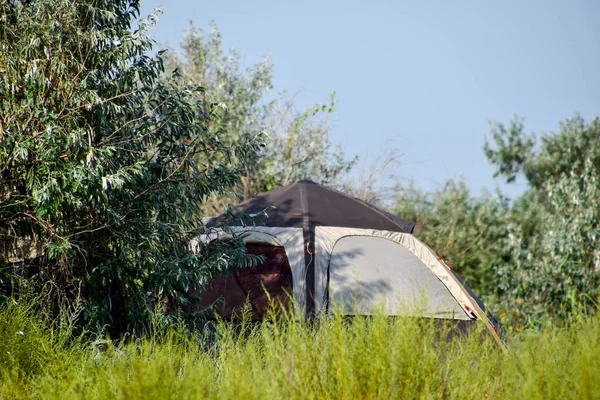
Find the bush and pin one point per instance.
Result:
(533, 259)
(100, 190)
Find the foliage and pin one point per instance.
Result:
(242, 92)
(298, 148)
(336, 358)
(534, 258)
(513, 153)
(99, 181)
(555, 266)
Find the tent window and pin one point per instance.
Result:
(226, 294)
(368, 272)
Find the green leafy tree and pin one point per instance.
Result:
(535, 258)
(241, 92)
(298, 147)
(556, 261)
(100, 179)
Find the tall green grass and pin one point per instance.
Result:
(333, 358)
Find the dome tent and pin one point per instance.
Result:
(325, 246)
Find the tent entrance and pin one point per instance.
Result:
(225, 295)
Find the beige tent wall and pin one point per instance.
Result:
(367, 274)
(327, 237)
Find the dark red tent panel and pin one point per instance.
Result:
(225, 295)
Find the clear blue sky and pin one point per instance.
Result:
(430, 74)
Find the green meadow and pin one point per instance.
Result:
(331, 358)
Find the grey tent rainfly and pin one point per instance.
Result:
(329, 250)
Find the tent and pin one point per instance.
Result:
(324, 247)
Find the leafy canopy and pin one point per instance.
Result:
(555, 267)
(101, 172)
(533, 259)
(298, 146)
